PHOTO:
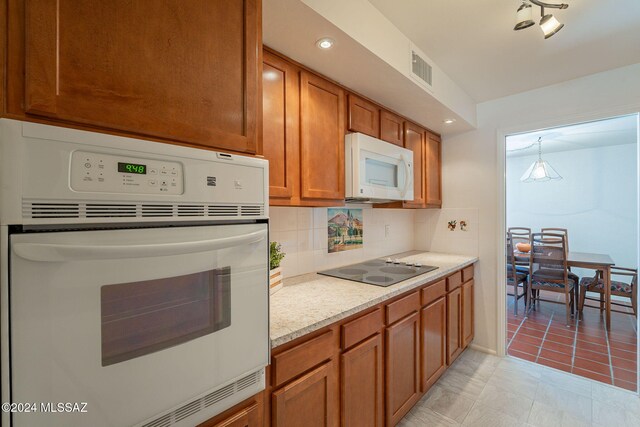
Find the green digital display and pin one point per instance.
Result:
(132, 168)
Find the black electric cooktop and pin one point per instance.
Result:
(379, 272)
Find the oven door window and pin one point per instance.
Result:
(139, 318)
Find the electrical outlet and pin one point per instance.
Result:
(387, 230)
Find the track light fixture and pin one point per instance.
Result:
(548, 23)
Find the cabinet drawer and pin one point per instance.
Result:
(299, 359)
(433, 291)
(467, 273)
(403, 307)
(361, 328)
(454, 281)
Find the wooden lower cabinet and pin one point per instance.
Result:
(368, 370)
(250, 414)
(467, 313)
(362, 384)
(402, 367)
(454, 335)
(433, 343)
(249, 417)
(310, 401)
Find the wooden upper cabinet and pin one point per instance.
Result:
(433, 171)
(281, 124)
(321, 138)
(414, 140)
(391, 128)
(364, 116)
(310, 401)
(184, 71)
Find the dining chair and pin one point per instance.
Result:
(515, 278)
(520, 235)
(627, 289)
(549, 270)
(565, 233)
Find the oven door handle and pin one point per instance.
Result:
(59, 253)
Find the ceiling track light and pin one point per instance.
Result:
(548, 23)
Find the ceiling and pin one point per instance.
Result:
(475, 45)
(614, 131)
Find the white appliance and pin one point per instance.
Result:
(376, 170)
(134, 279)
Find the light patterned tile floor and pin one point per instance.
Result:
(483, 390)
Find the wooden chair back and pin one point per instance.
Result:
(562, 231)
(549, 252)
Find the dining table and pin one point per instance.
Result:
(591, 261)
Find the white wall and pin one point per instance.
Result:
(302, 232)
(595, 201)
(470, 162)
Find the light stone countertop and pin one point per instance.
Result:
(312, 301)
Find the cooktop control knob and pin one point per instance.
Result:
(417, 264)
(408, 264)
(388, 260)
(396, 261)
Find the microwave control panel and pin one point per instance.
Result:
(106, 173)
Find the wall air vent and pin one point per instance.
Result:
(421, 68)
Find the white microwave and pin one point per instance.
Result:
(376, 170)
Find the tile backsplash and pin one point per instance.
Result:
(302, 232)
(434, 230)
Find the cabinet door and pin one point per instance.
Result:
(281, 121)
(402, 367)
(361, 391)
(414, 140)
(433, 325)
(364, 116)
(186, 71)
(247, 417)
(433, 171)
(467, 313)
(454, 326)
(322, 138)
(391, 127)
(310, 401)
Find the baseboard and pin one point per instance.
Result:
(483, 349)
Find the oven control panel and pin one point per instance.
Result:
(98, 172)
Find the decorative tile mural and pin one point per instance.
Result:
(344, 229)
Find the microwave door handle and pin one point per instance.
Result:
(58, 253)
(407, 171)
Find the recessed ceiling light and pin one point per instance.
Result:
(325, 43)
(448, 121)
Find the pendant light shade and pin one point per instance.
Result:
(540, 170)
(550, 25)
(524, 17)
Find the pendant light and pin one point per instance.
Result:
(540, 170)
(549, 24)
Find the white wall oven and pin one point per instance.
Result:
(376, 170)
(134, 279)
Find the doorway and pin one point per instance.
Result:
(571, 210)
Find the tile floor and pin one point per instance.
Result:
(585, 348)
(484, 390)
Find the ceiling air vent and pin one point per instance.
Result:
(421, 69)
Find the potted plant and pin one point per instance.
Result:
(275, 273)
